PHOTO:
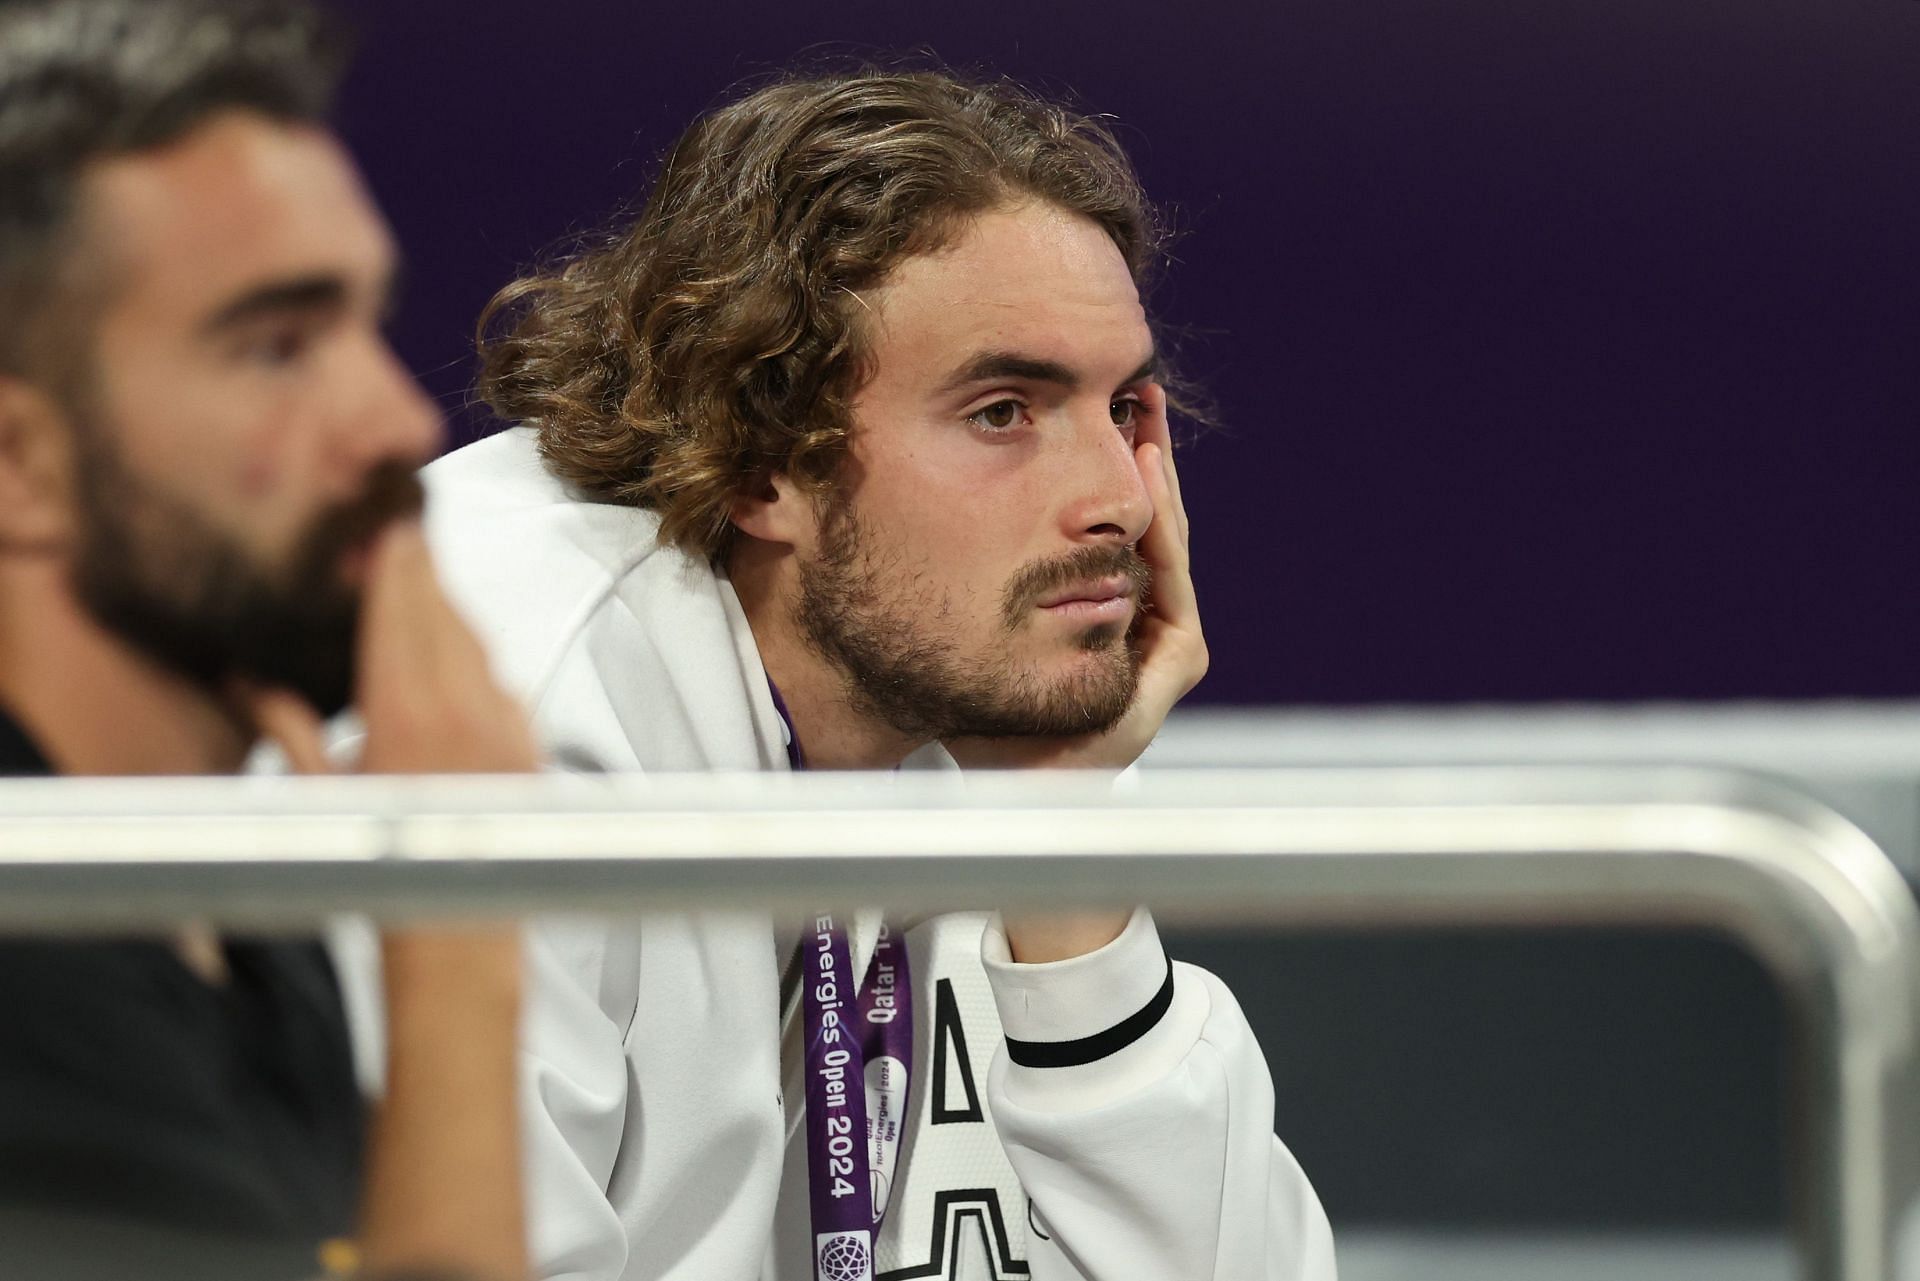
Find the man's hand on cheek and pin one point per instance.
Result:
(1173, 653)
(1173, 649)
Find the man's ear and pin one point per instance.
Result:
(773, 509)
(36, 469)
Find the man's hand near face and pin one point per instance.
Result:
(1173, 658)
(1173, 651)
(443, 1179)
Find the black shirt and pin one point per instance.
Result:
(134, 1093)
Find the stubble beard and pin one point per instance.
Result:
(156, 572)
(890, 639)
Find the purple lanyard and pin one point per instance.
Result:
(859, 1069)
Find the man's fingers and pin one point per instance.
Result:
(1156, 400)
(1154, 428)
(1150, 428)
(395, 648)
(412, 617)
(1173, 488)
(1165, 546)
(425, 690)
(1173, 647)
(295, 728)
(412, 638)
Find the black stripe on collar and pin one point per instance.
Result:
(1089, 1049)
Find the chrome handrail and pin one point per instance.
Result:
(1814, 899)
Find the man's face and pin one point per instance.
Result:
(243, 430)
(975, 574)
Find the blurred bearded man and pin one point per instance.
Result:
(209, 530)
(849, 453)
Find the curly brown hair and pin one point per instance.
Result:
(717, 339)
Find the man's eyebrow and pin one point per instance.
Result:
(1149, 368)
(305, 294)
(991, 365)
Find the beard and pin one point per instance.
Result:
(882, 630)
(160, 575)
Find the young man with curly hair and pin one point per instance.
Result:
(848, 453)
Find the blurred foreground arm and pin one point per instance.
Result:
(443, 1180)
(443, 1186)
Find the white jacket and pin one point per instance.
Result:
(662, 1140)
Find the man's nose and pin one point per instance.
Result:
(1110, 501)
(389, 416)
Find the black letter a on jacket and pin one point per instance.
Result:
(950, 1046)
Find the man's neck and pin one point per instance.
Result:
(94, 705)
(832, 733)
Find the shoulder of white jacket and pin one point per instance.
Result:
(496, 515)
(528, 558)
(504, 476)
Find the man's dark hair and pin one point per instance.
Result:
(721, 335)
(84, 80)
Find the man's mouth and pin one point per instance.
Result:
(1097, 600)
(341, 545)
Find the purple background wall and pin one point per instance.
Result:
(1565, 351)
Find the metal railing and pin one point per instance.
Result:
(1812, 898)
(1862, 757)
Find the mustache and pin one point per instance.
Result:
(1035, 581)
(392, 492)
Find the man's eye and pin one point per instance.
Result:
(1124, 411)
(277, 347)
(998, 416)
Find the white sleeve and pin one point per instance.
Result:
(574, 1093)
(1136, 1108)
